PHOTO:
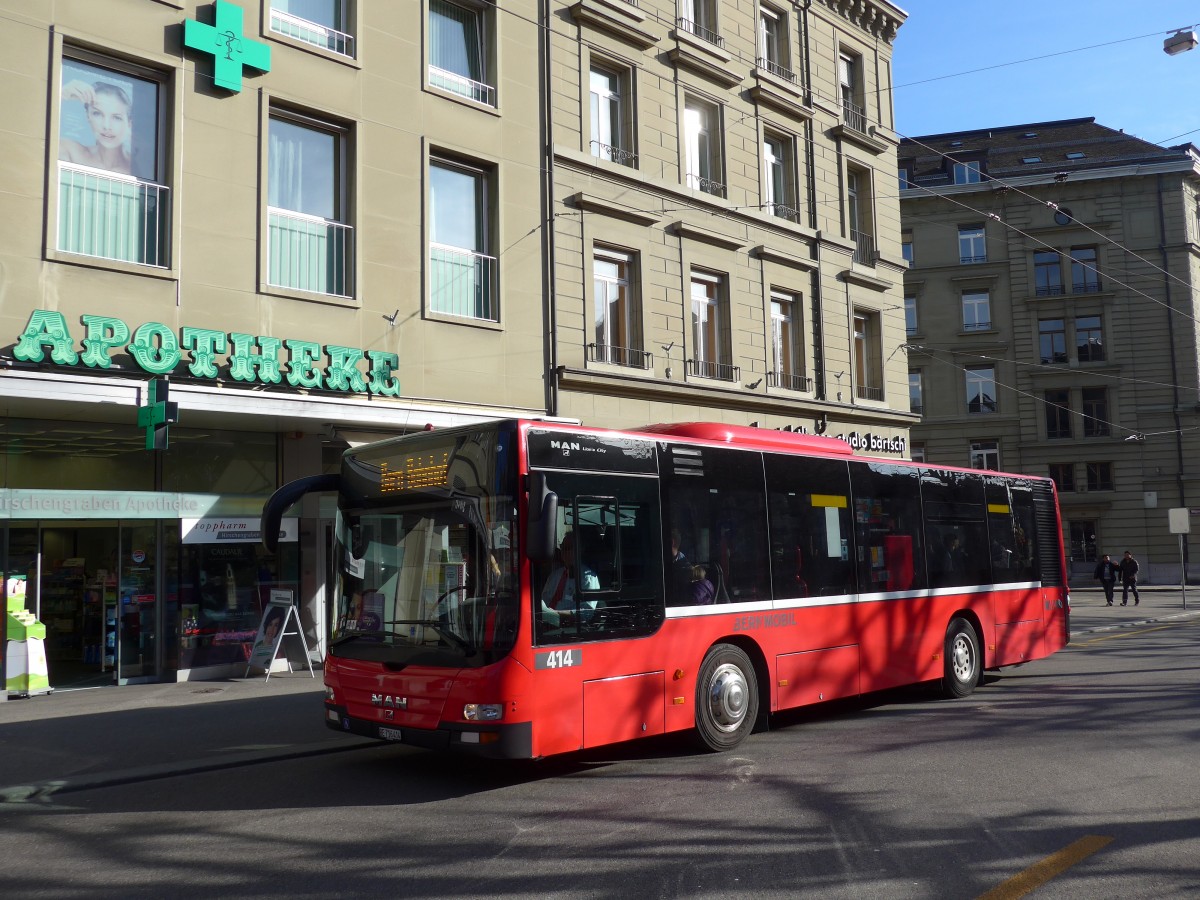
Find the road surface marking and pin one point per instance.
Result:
(1050, 867)
(1109, 637)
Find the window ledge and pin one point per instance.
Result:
(703, 58)
(458, 98)
(771, 254)
(351, 61)
(592, 203)
(622, 20)
(783, 95)
(113, 265)
(697, 233)
(276, 290)
(867, 281)
(605, 368)
(872, 142)
(431, 315)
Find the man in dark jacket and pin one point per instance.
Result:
(1129, 570)
(1107, 572)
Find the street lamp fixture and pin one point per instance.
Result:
(1180, 42)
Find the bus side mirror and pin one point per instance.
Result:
(541, 519)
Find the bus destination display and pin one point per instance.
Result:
(421, 471)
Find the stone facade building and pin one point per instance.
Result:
(1051, 321)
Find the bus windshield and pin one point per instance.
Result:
(425, 556)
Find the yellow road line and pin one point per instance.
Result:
(1121, 634)
(1055, 864)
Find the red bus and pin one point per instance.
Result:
(520, 589)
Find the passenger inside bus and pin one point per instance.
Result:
(560, 594)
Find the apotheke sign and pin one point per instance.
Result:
(254, 359)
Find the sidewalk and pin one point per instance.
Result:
(72, 740)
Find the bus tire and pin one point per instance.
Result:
(963, 664)
(726, 698)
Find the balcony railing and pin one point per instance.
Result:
(620, 356)
(613, 154)
(704, 368)
(977, 326)
(1086, 287)
(854, 116)
(309, 253)
(311, 33)
(864, 247)
(917, 408)
(707, 185)
(968, 260)
(776, 69)
(685, 24)
(783, 211)
(1049, 290)
(867, 392)
(462, 86)
(788, 381)
(462, 283)
(112, 216)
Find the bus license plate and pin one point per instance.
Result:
(391, 734)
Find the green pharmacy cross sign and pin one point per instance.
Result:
(157, 414)
(231, 50)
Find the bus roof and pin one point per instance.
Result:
(743, 436)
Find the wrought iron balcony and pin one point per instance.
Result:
(968, 260)
(854, 116)
(1049, 290)
(111, 216)
(977, 326)
(783, 211)
(864, 247)
(1086, 287)
(620, 356)
(462, 283)
(707, 185)
(868, 392)
(711, 37)
(704, 368)
(788, 381)
(613, 154)
(776, 69)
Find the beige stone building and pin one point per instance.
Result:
(315, 222)
(1051, 322)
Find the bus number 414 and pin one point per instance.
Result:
(558, 659)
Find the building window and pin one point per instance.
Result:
(916, 452)
(112, 199)
(322, 23)
(710, 328)
(702, 146)
(910, 316)
(1063, 476)
(1085, 277)
(1058, 413)
(906, 246)
(1052, 340)
(905, 175)
(972, 247)
(1095, 412)
(787, 371)
(612, 125)
(984, 455)
(858, 215)
(1099, 476)
(779, 177)
(617, 316)
(1089, 339)
(868, 359)
(916, 402)
(458, 58)
(981, 389)
(699, 17)
(976, 310)
(773, 42)
(311, 246)
(1047, 273)
(850, 87)
(967, 172)
(1083, 540)
(462, 274)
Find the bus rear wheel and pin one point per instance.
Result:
(962, 660)
(726, 698)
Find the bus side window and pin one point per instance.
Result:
(959, 550)
(889, 550)
(808, 508)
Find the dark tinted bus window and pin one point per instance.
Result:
(1024, 533)
(607, 583)
(808, 503)
(887, 527)
(715, 529)
(956, 532)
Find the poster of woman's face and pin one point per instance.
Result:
(108, 120)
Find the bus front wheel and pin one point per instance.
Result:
(726, 698)
(962, 660)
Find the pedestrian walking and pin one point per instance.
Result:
(1107, 572)
(1129, 571)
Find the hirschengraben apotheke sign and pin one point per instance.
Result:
(256, 359)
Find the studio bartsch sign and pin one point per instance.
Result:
(207, 354)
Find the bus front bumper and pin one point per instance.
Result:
(499, 741)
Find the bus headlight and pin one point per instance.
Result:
(483, 712)
(329, 695)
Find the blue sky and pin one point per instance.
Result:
(1127, 84)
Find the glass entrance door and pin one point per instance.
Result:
(138, 602)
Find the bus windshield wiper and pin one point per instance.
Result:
(453, 637)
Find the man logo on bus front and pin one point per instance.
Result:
(389, 701)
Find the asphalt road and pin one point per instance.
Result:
(1075, 775)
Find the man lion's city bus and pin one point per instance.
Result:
(519, 589)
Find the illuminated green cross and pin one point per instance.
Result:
(230, 49)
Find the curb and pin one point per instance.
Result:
(44, 790)
(1116, 626)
